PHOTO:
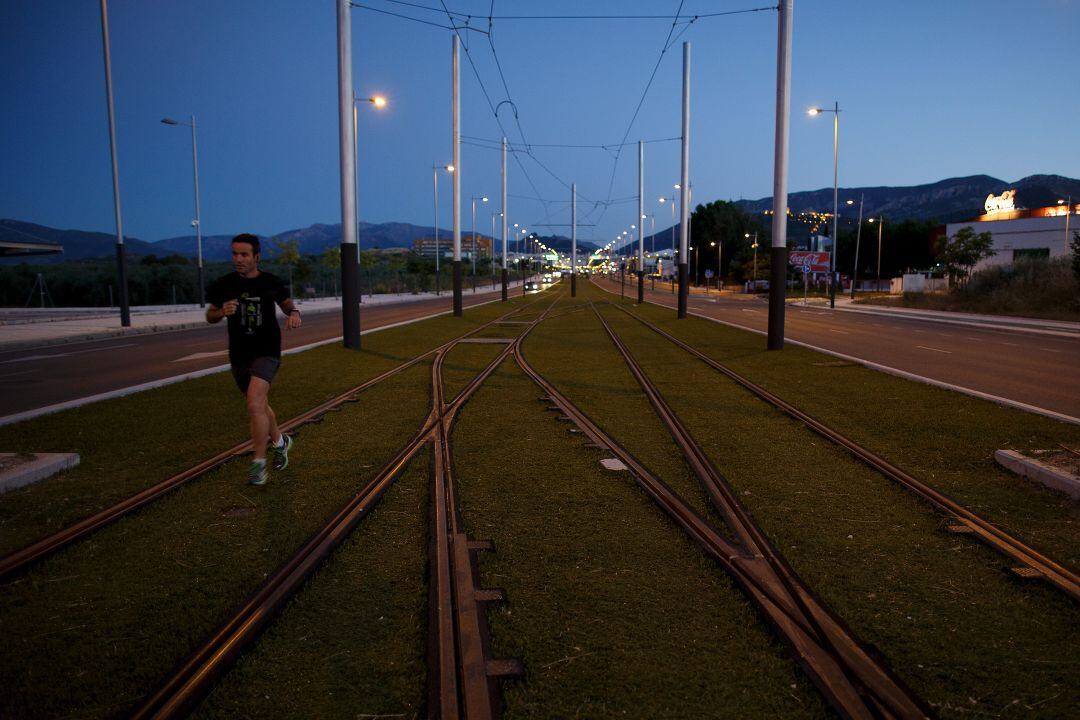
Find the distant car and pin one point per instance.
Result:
(547, 277)
(532, 286)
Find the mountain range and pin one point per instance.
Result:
(946, 201)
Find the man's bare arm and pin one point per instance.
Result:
(215, 314)
(289, 308)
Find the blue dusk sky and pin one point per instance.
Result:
(928, 90)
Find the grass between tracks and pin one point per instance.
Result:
(961, 632)
(351, 644)
(614, 612)
(132, 442)
(108, 618)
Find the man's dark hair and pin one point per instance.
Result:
(250, 239)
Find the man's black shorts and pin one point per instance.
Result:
(260, 367)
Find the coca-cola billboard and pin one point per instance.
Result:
(808, 261)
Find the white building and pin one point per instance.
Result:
(1038, 232)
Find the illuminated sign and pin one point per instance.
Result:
(809, 261)
(1004, 202)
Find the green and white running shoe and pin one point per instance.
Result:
(257, 474)
(281, 452)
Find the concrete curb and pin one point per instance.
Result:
(1040, 472)
(43, 465)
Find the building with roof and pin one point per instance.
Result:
(1021, 232)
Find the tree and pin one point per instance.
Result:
(964, 250)
(331, 260)
(1075, 245)
(289, 254)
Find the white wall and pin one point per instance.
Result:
(1021, 234)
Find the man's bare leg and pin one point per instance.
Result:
(274, 431)
(258, 411)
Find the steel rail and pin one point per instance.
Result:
(463, 677)
(192, 680)
(1032, 562)
(17, 560)
(803, 644)
(877, 688)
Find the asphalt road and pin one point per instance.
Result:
(32, 378)
(1038, 370)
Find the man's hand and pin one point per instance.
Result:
(293, 320)
(229, 308)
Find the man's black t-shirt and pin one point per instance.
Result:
(253, 328)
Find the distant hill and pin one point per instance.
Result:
(77, 244)
(947, 200)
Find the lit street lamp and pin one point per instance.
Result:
(754, 245)
(379, 102)
(881, 224)
(197, 222)
(858, 240)
(836, 145)
(1068, 212)
(474, 199)
(435, 177)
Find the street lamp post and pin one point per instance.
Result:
(754, 246)
(858, 241)
(836, 156)
(881, 224)
(671, 200)
(482, 199)
(435, 179)
(379, 102)
(197, 222)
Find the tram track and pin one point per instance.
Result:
(1032, 564)
(848, 675)
(462, 676)
(18, 560)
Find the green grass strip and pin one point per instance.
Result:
(352, 642)
(132, 442)
(614, 612)
(95, 627)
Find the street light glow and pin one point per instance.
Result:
(379, 101)
(814, 111)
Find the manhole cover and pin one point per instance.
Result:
(239, 511)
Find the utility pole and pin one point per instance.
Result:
(779, 257)
(504, 271)
(641, 227)
(350, 259)
(121, 269)
(456, 112)
(684, 289)
(573, 239)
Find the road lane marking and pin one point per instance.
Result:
(748, 310)
(201, 356)
(945, 334)
(61, 355)
(1050, 350)
(923, 347)
(1010, 344)
(21, 372)
(842, 332)
(974, 339)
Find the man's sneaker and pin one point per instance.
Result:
(281, 452)
(257, 474)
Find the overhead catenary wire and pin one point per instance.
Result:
(699, 16)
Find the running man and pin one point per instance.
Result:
(247, 298)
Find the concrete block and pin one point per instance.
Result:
(18, 469)
(1040, 472)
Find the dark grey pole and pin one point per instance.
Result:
(684, 185)
(121, 269)
(456, 122)
(350, 259)
(198, 213)
(505, 279)
(573, 239)
(779, 258)
(640, 224)
(858, 241)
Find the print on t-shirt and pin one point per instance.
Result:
(250, 313)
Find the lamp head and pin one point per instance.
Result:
(814, 111)
(378, 101)
(449, 168)
(483, 199)
(170, 121)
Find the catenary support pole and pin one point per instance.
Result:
(456, 112)
(350, 259)
(641, 226)
(198, 214)
(573, 239)
(121, 266)
(778, 255)
(835, 203)
(505, 279)
(684, 184)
